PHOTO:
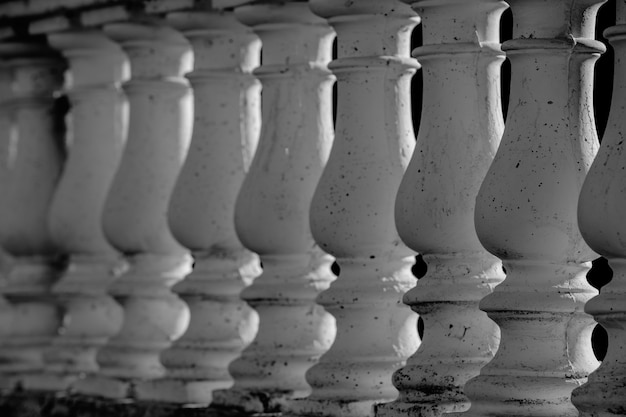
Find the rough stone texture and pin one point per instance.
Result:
(60, 406)
(459, 133)
(352, 209)
(600, 216)
(200, 216)
(21, 404)
(96, 143)
(31, 166)
(526, 216)
(272, 211)
(135, 213)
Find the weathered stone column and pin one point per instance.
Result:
(272, 211)
(600, 217)
(460, 129)
(352, 212)
(35, 157)
(10, 357)
(526, 215)
(201, 212)
(96, 137)
(135, 216)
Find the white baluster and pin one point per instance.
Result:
(9, 355)
(135, 216)
(201, 214)
(352, 212)
(460, 129)
(600, 218)
(34, 159)
(526, 215)
(90, 316)
(272, 211)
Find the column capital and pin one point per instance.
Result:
(540, 19)
(293, 37)
(340, 10)
(375, 32)
(467, 21)
(274, 15)
(212, 35)
(36, 69)
(156, 51)
(95, 59)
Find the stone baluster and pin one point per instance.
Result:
(9, 356)
(272, 210)
(96, 137)
(352, 215)
(135, 214)
(526, 215)
(201, 214)
(33, 161)
(601, 223)
(460, 129)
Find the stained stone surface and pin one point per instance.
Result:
(21, 404)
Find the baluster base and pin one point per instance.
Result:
(91, 317)
(221, 326)
(179, 391)
(250, 401)
(100, 386)
(321, 407)
(35, 310)
(603, 395)
(153, 317)
(427, 409)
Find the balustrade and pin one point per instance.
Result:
(272, 211)
(352, 210)
(225, 133)
(34, 154)
(135, 213)
(460, 129)
(126, 317)
(602, 226)
(526, 215)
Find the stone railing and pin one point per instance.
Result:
(184, 230)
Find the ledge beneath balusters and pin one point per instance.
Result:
(31, 404)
